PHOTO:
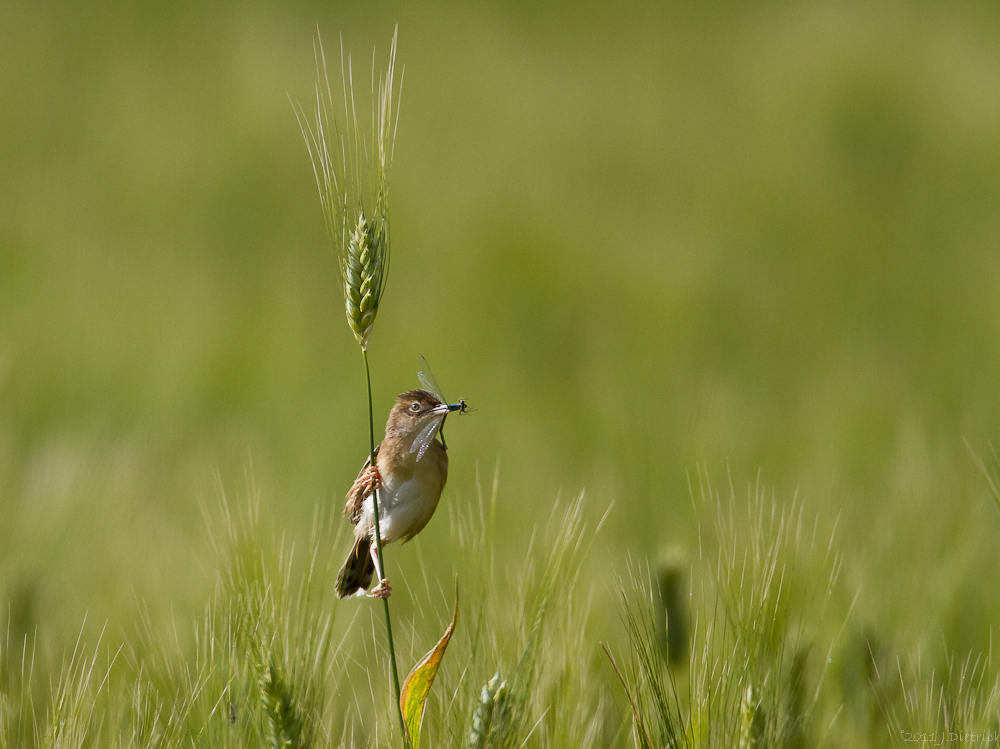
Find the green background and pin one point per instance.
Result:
(637, 238)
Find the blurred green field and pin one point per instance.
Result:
(640, 239)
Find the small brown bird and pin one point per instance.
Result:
(411, 467)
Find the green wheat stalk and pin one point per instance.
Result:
(360, 240)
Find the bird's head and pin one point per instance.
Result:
(412, 410)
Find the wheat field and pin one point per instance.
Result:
(721, 283)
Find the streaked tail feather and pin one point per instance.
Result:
(358, 570)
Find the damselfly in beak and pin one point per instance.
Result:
(438, 415)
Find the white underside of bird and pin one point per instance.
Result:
(404, 506)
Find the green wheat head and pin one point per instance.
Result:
(348, 169)
(750, 720)
(364, 267)
(280, 708)
(492, 704)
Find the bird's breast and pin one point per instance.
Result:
(410, 492)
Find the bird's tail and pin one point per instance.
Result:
(357, 572)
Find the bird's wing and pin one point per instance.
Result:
(358, 493)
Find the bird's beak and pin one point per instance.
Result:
(443, 408)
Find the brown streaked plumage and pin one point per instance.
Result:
(410, 481)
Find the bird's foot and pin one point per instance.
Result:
(371, 478)
(382, 590)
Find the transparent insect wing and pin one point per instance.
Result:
(426, 378)
(423, 439)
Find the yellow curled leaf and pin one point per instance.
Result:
(417, 686)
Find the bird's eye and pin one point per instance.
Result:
(414, 406)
